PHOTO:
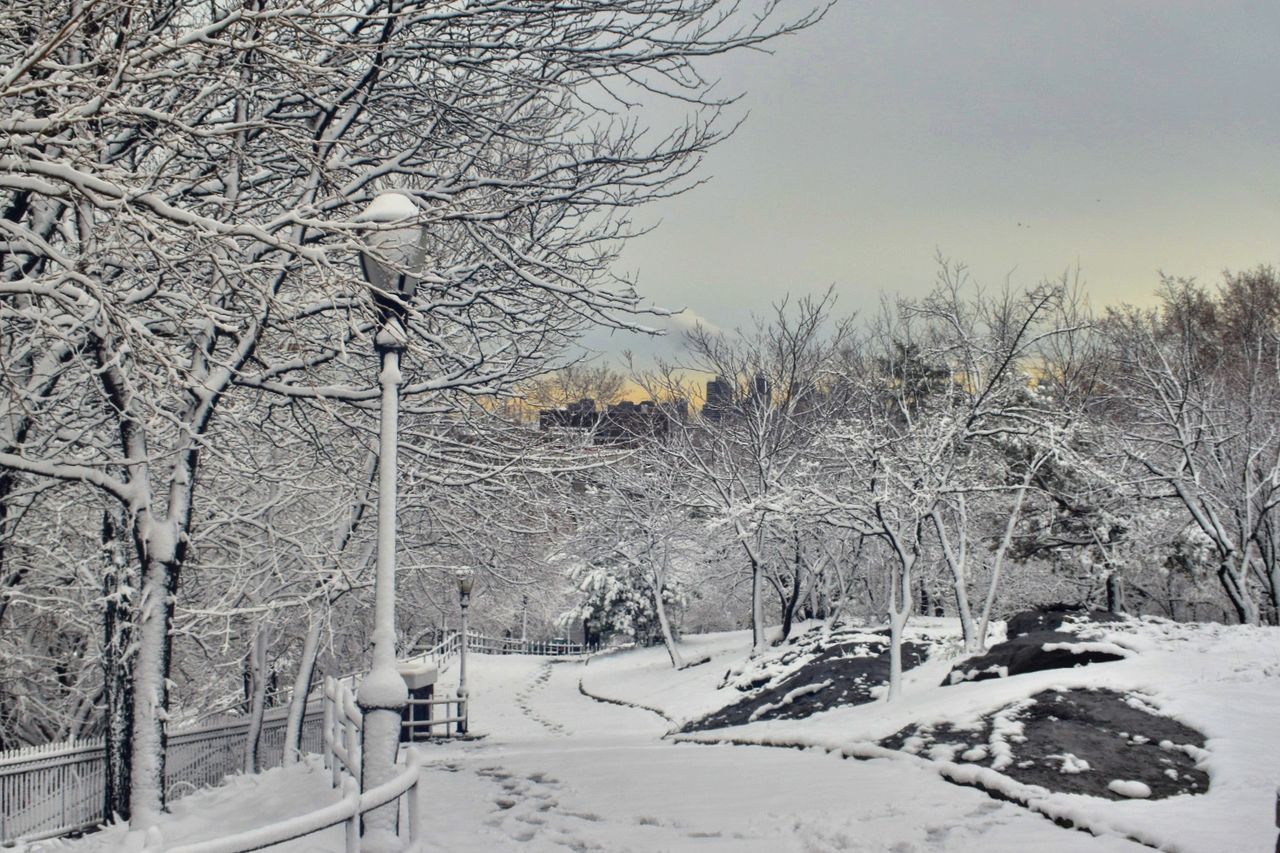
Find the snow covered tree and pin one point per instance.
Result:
(747, 456)
(173, 191)
(947, 409)
(1195, 390)
(638, 547)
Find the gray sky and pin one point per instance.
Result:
(1022, 138)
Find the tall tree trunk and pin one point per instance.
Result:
(899, 613)
(789, 604)
(301, 689)
(1236, 585)
(160, 553)
(117, 665)
(997, 566)
(759, 641)
(957, 562)
(1273, 590)
(668, 637)
(897, 622)
(258, 678)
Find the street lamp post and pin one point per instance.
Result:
(392, 251)
(466, 579)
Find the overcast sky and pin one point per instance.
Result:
(1022, 138)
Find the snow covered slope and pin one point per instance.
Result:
(1222, 681)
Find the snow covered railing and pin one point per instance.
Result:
(415, 725)
(445, 651)
(348, 810)
(46, 790)
(511, 646)
(448, 648)
(343, 724)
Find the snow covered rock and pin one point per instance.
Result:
(1077, 742)
(814, 672)
(1055, 617)
(1039, 640)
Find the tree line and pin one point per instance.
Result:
(962, 454)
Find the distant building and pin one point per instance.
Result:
(722, 401)
(624, 423)
(581, 415)
(719, 399)
(761, 391)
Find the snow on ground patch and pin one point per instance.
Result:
(243, 802)
(1129, 788)
(611, 783)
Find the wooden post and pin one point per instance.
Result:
(354, 749)
(351, 793)
(415, 808)
(327, 725)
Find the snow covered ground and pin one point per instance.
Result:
(557, 770)
(1223, 681)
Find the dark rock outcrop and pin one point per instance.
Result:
(1025, 651)
(1076, 742)
(840, 674)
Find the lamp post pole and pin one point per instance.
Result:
(383, 695)
(391, 250)
(465, 581)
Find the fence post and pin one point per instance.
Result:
(351, 793)
(337, 717)
(327, 726)
(415, 808)
(354, 749)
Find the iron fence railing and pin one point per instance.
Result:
(59, 788)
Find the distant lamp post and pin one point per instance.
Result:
(524, 618)
(391, 258)
(466, 580)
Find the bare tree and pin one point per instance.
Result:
(948, 409)
(1195, 388)
(749, 454)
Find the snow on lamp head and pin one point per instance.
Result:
(394, 250)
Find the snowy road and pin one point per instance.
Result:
(560, 771)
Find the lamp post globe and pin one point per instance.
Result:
(391, 257)
(393, 247)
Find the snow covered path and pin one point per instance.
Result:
(560, 771)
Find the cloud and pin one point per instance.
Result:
(688, 319)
